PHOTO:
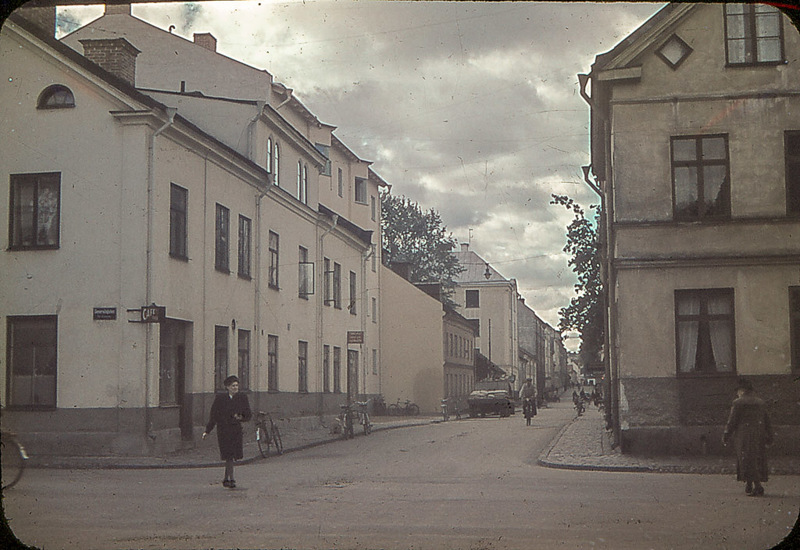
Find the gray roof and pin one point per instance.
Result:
(475, 269)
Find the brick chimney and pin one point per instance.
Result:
(464, 247)
(206, 40)
(116, 55)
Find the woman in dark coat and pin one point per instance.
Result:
(228, 412)
(749, 426)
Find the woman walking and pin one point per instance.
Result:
(749, 426)
(228, 412)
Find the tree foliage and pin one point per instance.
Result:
(420, 239)
(585, 311)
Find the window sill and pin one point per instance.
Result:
(731, 374)
(274, 287)
(245, 277)
(752, 64)
(19, 248)
(222, 270)
(179, 257)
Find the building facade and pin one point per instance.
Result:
(458, 341)
(161, 252)
(695, 140)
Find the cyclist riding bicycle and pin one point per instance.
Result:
(528, 395)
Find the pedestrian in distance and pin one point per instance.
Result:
(749, 427)
(527, 393)
(228, 412)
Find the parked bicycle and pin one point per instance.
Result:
(363, 416)
(407, 409)
(13, 457)
(449, 410)
(351, 414)
(267, 434)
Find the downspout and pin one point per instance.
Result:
(250, 128)
(287, 100)
(365, 255)
(320, 307)
(257, 298)
(148, 359)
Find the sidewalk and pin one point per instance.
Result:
(584, 444)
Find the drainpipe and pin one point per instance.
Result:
(151, 176)
(250, 129)
(257, 296)
(287, 100)
(365, 256)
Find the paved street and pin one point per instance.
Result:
(472, 484)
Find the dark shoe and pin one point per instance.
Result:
(758, 491)
(226, 483)
(232, 484)
(748, 488)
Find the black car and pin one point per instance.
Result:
(483, 402)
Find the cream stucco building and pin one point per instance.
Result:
(255, 241)
(695, 148)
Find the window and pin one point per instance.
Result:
(272, 277)
(374, 361)
(337, 286)
(221, 261)
(244, 359)
(326, 368)
(272, 363)
(178, 200)
(674, 51)
(56, 97)
(374, 310)
(326, 152)
(35, 210)
(341, 182)
(753, 34)
(373, 207)
(220, 357)
(276, 164)
(337, 369)
(794, 325)
(792, 143)
(704, 326)
(269, 156)
(473, 298)
(700, 178)
(245, 226)
(304, 187)
(328, 292)
(300, 181)
(351, 306)
(302, 366)
(305, 275)
(361, 190)
(33, 361)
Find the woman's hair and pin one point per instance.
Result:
(744, 384)
(230, 380)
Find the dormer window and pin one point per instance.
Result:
(753, 34)
(56, 97)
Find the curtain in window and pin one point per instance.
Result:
(721, 333)
(688, 332)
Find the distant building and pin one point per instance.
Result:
(696, 149)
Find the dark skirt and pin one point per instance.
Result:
(751, 455)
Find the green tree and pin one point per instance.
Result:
(585, 311)
(419, 239)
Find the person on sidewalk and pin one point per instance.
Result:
(228, 412)
(527, 393)
(749, 426)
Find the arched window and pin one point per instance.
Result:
(56, 97)
(269, 154)
(276, 164)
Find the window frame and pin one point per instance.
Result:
(326, 368)
(305, 274)
(244, 369)
(221, 359)
(43, 101)
(337, 369)
(245, 263)
(353, 294)
(475, 302)
(273, 280)
(337, 285)
(704, 317)
(751, 40)
(222, 239)
(360, 190)
(341, 182)
(178, 222)
(794, 327)
(272, 363)
(792, 161)
(15, 218)
(48, 323)
(302, 366)
(699, 164)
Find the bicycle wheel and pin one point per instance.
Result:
(276, 438)
(393, 410)
(263, 440)
(13, 462)
(413, 409)
(367, 424)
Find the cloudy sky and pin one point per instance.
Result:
(471, 108)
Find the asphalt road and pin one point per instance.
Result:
(471, 484)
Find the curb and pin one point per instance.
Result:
(65, 464)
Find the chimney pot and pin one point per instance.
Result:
(206, 40)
